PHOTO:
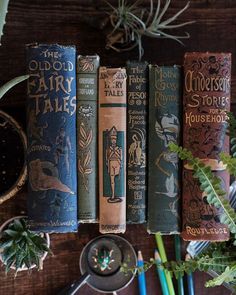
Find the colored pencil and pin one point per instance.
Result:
(161, 249)
(161, 274)
(178, 258)
(141, 276)
(190, 279)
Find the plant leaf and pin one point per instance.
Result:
(7, 86)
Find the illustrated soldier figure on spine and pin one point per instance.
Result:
(113, 162)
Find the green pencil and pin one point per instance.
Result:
(162, 252)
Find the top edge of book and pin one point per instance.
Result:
(165, 67)
(92, 56)
(88, 64)
(108, 69)
(40, 45)
(206, 53)
(128, 62)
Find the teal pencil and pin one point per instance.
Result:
(190, 279)
(178, 258)
(141, 276)
(161, 274)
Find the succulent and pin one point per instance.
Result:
(20, 247)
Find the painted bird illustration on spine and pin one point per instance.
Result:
(137, 100)
(112, 149)
(51, 154)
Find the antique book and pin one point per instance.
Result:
(51, 134)
(165, 96)
(112, 150)
(206, 99)
(87, 80)
(137, 91)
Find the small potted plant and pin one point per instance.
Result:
(20, 248)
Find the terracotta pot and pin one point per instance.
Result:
(45, 235)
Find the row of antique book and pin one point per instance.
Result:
(98, 138)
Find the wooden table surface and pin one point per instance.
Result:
(69, 22)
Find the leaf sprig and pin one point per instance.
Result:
(214, 258)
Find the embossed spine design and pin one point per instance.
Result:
(163, 165)
(206, 99)
(51, 132)
(112, 150)
(87, 77)
(137, 98)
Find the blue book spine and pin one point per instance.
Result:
(51, 133)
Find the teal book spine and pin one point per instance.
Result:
(137, 98)
(163, 166)
(87, 94)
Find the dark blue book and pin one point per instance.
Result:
(51, 132)
(163, 165)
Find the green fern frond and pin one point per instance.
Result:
(210, 184)
(232, 132)
(231, 124)
(233, 146)
(230, 162)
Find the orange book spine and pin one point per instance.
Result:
(112, 149)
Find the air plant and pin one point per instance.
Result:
(130, 22)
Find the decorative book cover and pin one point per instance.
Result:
(51, 132)
(112, 150)
(137, 91)
(165, 96)
(87, 80)
(206, 99)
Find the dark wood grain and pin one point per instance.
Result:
(75, 22)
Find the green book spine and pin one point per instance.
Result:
(137, 90)
(163, 165)
(87, 79)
